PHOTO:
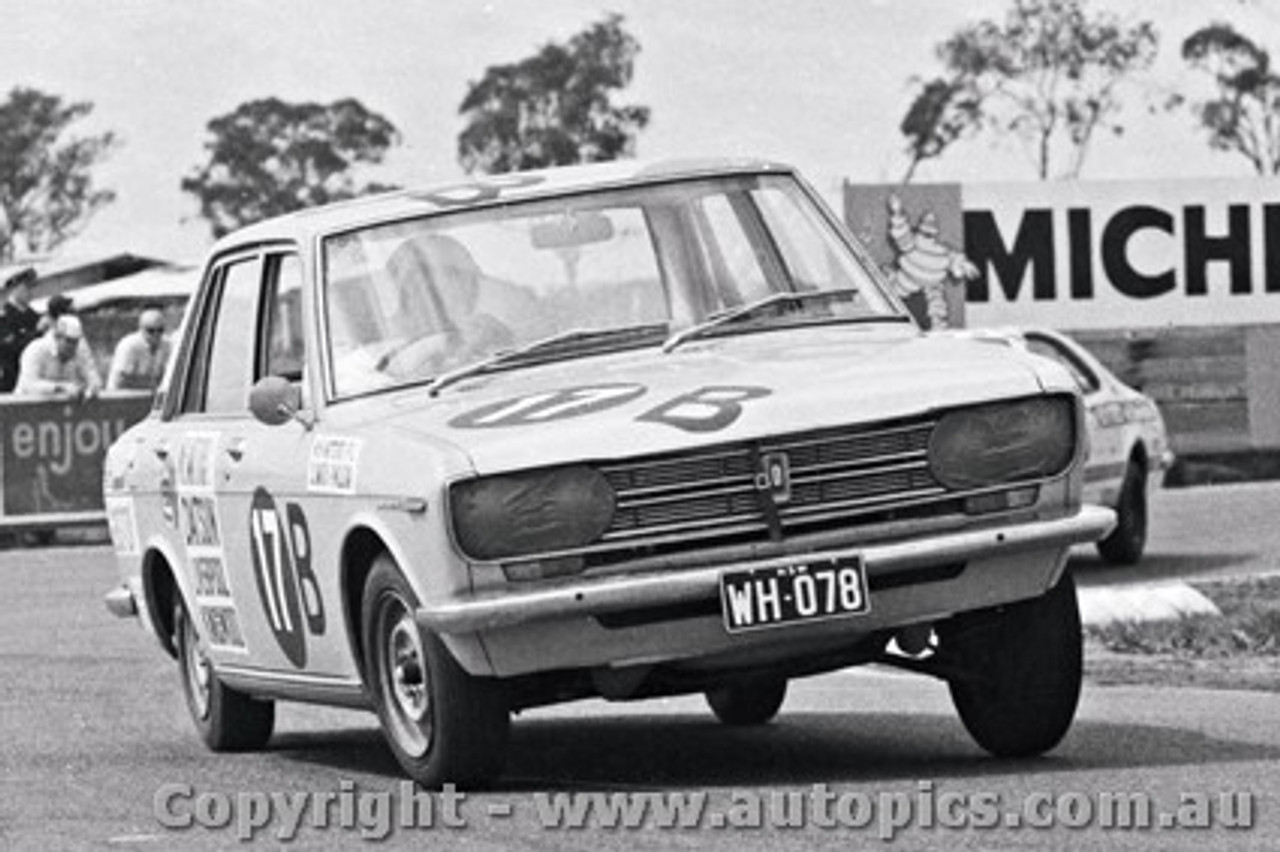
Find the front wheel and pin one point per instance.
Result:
(1023, 666)
(443, 725)
(1126, 542)
(227, 720)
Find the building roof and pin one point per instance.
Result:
(58, 275)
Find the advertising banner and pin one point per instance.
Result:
(52, 452)
(1080, 255)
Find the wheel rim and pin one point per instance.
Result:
(197, 670)
(404, 679)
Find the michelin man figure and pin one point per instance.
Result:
(923, 264)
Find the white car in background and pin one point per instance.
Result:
(1129, 445)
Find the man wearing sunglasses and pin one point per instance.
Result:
(140, 356)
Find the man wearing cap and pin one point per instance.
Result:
(54, 365)
(140, 356)
(18, 324)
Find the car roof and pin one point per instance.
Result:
(486, 191)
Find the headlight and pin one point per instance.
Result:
(520, 514)
(1010, 442)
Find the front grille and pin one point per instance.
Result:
(838, 477)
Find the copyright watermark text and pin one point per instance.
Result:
(376, 814)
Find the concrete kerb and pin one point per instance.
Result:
(1103, 605)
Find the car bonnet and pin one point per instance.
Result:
(738, 388)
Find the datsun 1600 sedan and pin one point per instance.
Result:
(619, 431)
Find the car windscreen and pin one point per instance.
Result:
(410, 300)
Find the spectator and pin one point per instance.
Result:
(140, 356)
(59, 304)
(52, 365)
(18, 325)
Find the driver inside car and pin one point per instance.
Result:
(439, 286)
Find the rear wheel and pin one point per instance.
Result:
(1126, 542)
(1023, 664)
(227, 720)
(443, 725)
(748, 702)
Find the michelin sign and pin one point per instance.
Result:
(1082, 255)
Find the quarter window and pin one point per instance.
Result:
(286, 348)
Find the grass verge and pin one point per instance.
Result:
(1239, 649)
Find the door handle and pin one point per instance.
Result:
(235, 449)
(161, 450)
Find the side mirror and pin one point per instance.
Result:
(275, 400)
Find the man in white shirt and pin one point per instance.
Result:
(54, 365)
(140, 356)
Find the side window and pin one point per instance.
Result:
(285, 352)
(1084, 377)
(223, 370)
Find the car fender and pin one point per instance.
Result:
(409, 544)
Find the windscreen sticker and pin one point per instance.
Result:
(478, 191)
(122, 525)
(287, 583)
(333, 465)
(548, 405)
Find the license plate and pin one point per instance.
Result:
(756, 598)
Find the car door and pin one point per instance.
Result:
(206, 397)
(268, 493)
(236, 481)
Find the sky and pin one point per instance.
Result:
(821, 84)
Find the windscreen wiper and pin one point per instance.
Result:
(499, 359)
(695, 331)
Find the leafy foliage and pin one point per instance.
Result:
(1244, 116)
(270, 157)
(554, 108)
(941, 114)
(1049, 75)
(47, 192)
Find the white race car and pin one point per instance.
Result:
(624, 430)
(1129, 450)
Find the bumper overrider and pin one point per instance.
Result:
(598, 596)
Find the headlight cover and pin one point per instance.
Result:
(533, 512)
(1004, 443)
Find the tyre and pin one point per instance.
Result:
(1026, 664)
(443, 725)
(1126, 542)
(227, 720)
(748, 702)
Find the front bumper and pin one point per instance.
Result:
(617, 593)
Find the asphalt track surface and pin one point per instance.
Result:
(93, 731)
